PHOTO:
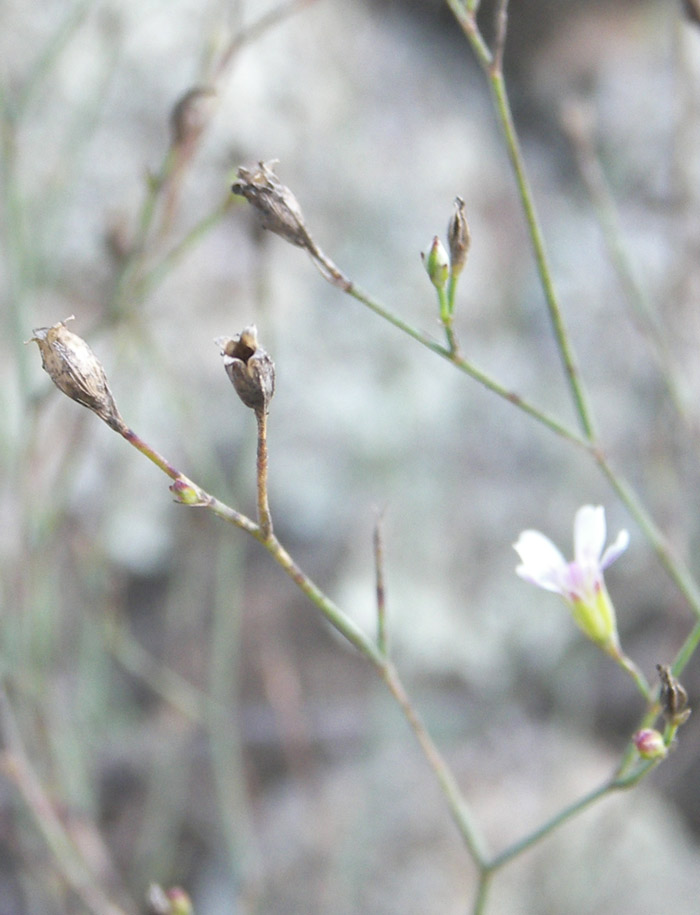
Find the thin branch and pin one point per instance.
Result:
(264, 517)
(382, 640)
(500, 37)
(461, 813)
(15, 763)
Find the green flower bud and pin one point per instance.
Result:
(185, 492)
(437, 264)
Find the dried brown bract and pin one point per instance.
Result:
(191, 115)
(250, 368)
(277, 206)
(458, 237)
(673, 697)
(76, 371)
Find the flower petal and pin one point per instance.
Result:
(615, 550)
(541, 562)
(589, 534)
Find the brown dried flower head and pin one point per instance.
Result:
(76, 371)
(191, 115)
(250, 368)
(458, 238)
(277, 206)
(673, 697)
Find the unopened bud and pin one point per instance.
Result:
(673, 697)
(76, 371)
(180, 902)
(250, 368)
(185, 492)
(458, 238)
(650, 744)
(191, 115)
(277, 206)
(436, 264)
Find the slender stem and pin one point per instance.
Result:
(460, 811)
(194, 495)
(446, 320)
(16, 765)
(499, 43)
(336, 277)
(187, 491)
(674, 567)
(517, 848)
(463, 365)
(382, 639)
(264, 517)
(578, 125)
(328, 608)
(491, 64)
(566, 352)
(687, 650)
(466, 17)
(636, 674)
(482, 892)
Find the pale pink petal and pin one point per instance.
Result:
(541, 562)
(589, 534)
(615, 550)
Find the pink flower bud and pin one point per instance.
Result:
(650, 744)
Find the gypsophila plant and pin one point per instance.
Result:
(662, 707)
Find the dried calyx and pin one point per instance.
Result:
(458, 237)
(250, 368)
(76, 371)
(191, 115)
(277, 206)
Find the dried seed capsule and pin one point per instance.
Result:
(458, 238)
(191, 115)
(76, 371)
(673, 697)
(277, 206)
(250, 368)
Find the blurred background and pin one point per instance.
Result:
(173, 710)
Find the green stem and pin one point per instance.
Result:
(566, 352)
(517, 848)
(335, 616)
(675, 568)
(482, 892)
(382, 636)
(375, 653)
(463, 365)
(461, 813)
(687, 650)
(634, 672)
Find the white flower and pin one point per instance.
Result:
(579, 582)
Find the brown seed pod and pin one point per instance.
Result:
(458, 238)
(673, 697)
(250, 368)
(76, 371)
(191, 115)
(277, 206)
